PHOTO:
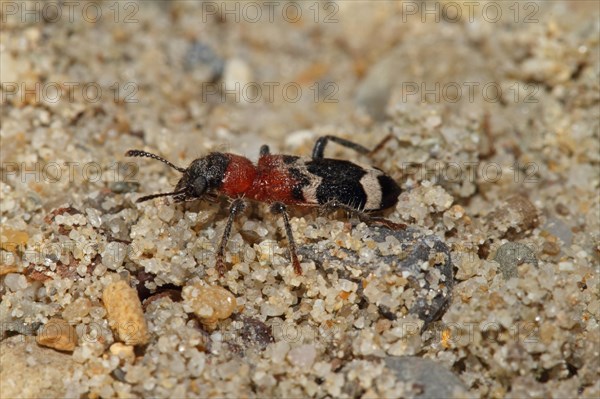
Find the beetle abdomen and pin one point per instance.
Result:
(359, 187)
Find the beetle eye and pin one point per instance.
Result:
(198, 186)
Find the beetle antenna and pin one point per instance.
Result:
(140, 153)
(152, 196)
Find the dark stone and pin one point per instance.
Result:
(256, 333)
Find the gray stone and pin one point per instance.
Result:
(202, 57)
(429, 303)
(513, 254)
(430, 378)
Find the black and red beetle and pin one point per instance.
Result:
(282, 180)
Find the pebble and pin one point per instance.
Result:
(433, 121)
(513, 254)
(256, 333)
(10, 68)
(70, 220)
(551, 248)
(15, 282)
(557, 227)
(298, 138)
(237, 74)
(271, 310)
(57, 334)
(77, 309)
(517, 216)
(122, 187)
(10, 267)
(209, 303)
(408, 74)
(94, 217)
(432, 379)
(123, 352)
(278, 351)
(566, 266)
(302, 356)
(125, 314)
(202, 57)
(11, 240)
(114, 254)
(32, 202)
(166, 213)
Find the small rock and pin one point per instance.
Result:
(94, 217)
(15, 282)
(566, 266)
(166, 213)
(12, 240)
(302, 356)
(432, 379)
(209, 303)
(121, 187)
(76, 310)
(11, 68)
(513, 254)
(272, 310)
(433, 121)
(123, 352)
(551, 248)
(558, 228)
(236, 76)
(278, 351)
(514, 218)
(437, 198)
(6, 269)
(32, 202)
(298, 138)
(256, 333)
(57, 334)
(125, 314)
(114, 254)
(203, 62)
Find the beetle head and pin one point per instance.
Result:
(202, 177)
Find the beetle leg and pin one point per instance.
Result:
(237, 206)
(321, 143)
(264, 150)
(280, 208)
(363, 216)
(319, 148)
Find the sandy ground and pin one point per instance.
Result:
(491, 291)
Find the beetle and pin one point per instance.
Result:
(285, 180)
